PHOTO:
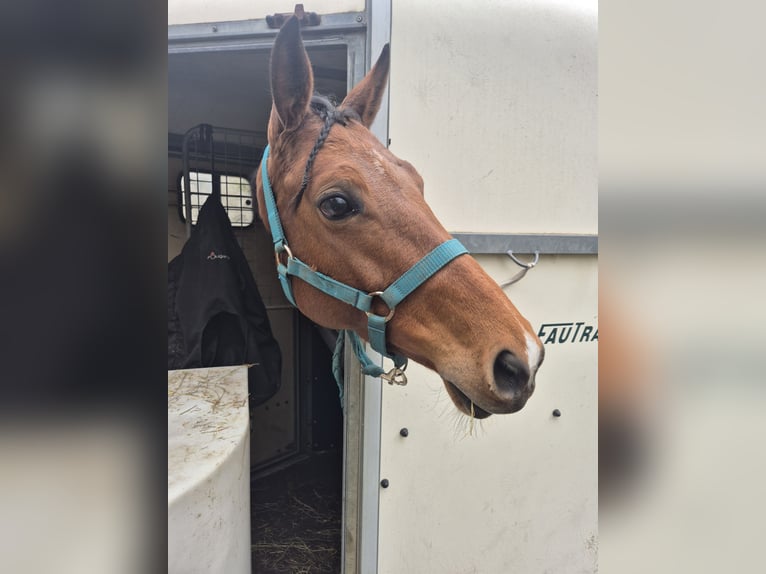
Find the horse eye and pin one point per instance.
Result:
(336, 207)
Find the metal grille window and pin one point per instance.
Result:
(219, 160)
(236, 196)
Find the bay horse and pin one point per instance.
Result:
(366, 254)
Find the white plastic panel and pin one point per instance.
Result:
(520, 494)
(208, 471)
(495, 104)
(195, 11)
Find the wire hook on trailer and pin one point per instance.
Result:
(524, 268)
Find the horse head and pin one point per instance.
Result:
(355, 212)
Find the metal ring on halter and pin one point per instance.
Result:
(279, 252)
(391, 309)
(510, 254)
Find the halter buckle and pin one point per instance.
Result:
(395, 376)
(387, 317)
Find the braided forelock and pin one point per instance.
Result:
(331, 115)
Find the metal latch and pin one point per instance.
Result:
(305, 18)
(524, 268)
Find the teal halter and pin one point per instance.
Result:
(391, 296)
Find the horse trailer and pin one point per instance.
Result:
(495, 105)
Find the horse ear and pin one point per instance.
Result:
(292, 81)
(365, 98)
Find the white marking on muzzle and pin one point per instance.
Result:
(533, 353)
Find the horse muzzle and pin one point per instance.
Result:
(511, 386)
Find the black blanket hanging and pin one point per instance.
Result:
(216, 316)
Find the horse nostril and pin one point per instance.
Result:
(511, 374)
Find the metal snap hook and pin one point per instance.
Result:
(395, 376)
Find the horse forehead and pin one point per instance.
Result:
(377, 161)
(384, 162)
(362, 158)
(363, 145)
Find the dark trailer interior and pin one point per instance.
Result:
(218, 108)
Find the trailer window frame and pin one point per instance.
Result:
(216, 182)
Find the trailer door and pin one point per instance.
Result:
(495, 105)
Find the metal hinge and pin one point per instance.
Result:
(305, 18)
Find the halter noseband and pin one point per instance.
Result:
(413, 278)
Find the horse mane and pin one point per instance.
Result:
(325, 108)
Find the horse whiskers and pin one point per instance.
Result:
(464, 425)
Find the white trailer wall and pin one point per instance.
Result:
(495, 104)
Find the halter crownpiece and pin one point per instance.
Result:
(413, 278)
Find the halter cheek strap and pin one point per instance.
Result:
(394, 294)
